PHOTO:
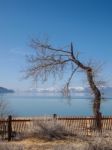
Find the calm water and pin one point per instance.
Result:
(25, 104)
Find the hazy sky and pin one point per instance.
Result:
(87, 23)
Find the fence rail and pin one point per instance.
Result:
(86, 126)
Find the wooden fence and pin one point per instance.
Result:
(86, 126)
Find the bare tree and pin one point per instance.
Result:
(53, 61)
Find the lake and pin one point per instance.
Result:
(33, 104)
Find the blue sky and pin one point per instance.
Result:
(87, 23)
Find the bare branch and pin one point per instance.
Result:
(37, 44)
(65, 90)
(45, 67)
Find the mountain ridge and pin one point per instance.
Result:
(72, 89)
(5, 90)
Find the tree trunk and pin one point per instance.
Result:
(95, 90)
(93, 87)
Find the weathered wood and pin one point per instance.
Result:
(85, 126)
(9, 128)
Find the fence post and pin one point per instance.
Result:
(9, 127)
(54, 116)
(99, 121)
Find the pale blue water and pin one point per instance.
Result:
(27, 104)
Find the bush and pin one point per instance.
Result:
(49, 130)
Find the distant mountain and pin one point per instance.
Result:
(106, 91)
(5, 90)
(56, 90)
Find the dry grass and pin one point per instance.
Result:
(10, 146)
(53, 135)
(99, 143)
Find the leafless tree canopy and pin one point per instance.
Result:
(49, 60)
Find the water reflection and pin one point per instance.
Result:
(28, 104)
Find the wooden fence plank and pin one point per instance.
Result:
(83, 125)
